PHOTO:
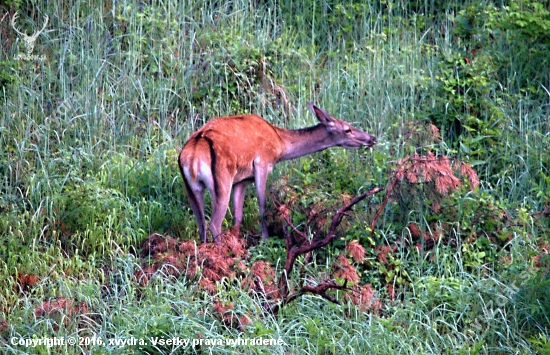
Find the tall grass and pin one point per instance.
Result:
(90, 135)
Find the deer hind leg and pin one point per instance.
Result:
(196, 200)
(220, 202)
(260, 179)
(238, 202)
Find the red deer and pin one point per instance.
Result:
(232, 152)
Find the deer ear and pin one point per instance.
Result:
(321, 115)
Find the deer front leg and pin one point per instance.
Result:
(260, 179)
(220, 201)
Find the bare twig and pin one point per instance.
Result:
(293, 250)
(391, 187)
(545, 212)
(321, 290)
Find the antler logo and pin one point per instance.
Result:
(29, 40)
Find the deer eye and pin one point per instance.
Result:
(347, 130)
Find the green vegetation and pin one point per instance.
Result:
(92, 122)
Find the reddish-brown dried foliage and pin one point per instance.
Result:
(415, 231)
(365, 298)
(356, 250)
(60, 305)
(4, 325)
(383, 251)
(437, 174)
(417, 169)
(215, 261)
(26, 281)
(342, 269)
(265, 279)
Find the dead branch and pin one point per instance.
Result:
(544, 213)
(294, 250)
(321, 290)
(391, 187)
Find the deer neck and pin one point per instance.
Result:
(304, 141)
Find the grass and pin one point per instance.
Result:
(89, 138)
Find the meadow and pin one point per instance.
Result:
(98, 244)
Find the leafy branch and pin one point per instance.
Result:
(439, 173)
